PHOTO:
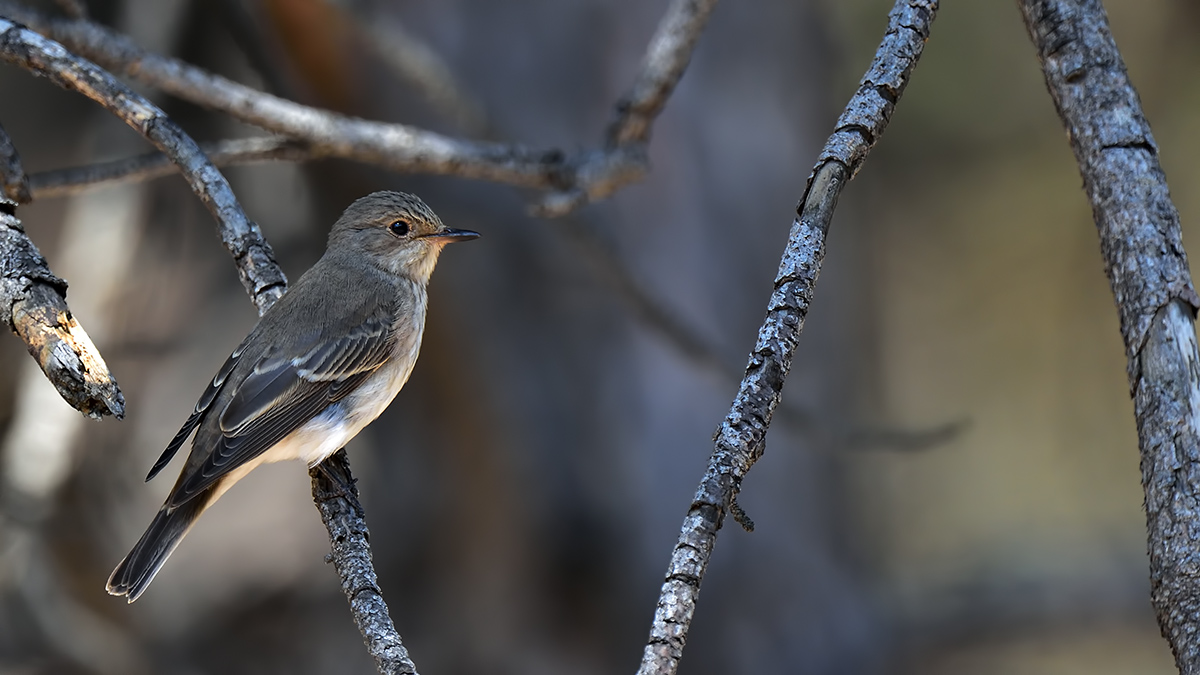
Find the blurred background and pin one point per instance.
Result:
(525, 489)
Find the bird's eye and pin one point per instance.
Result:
(399, 228)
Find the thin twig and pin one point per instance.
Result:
(14, 184)
(65, 182)
(1142, 244)
(351, 557)
(262, 277)
(33, 304)
(739, 440)
(667, 57)
(242, 237)
(625, 159)
(572, 181)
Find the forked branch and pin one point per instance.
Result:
(41, 56)
(570, 180)
(263, 279)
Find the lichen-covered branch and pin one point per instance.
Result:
(1142, 244)
(739, 440)
(572, 181)
(64, 182)
(351, 557)
(242, 237)
(33, 305)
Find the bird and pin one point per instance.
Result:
(321, 364)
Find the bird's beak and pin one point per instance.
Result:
(450, 235)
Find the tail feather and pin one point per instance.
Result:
(137, 570)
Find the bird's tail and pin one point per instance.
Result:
(137, 570)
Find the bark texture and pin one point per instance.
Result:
(351, 557)
(740, 440)
(33, 304)
(1142, 245)
(255, 261)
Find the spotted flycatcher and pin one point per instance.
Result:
(321, 364)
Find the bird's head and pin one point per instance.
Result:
(395, 231)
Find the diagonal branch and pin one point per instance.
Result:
(242, 237)
(667, 57)
(351, 557)
(625, 160)
(572, 181)
(1147, 267)
(263, 279)
(739, 441)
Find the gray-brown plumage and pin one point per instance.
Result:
(321, 364)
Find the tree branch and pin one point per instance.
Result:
(1142, 244)
(255, 260)
(572, 181)
(33, 304)
(65, 182)
(351, 557)
(261, 276)
(625, 159)
(739, 440)
(667, 57)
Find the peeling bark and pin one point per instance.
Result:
(1142, 245)
(33, 305)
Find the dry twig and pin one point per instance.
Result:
(1147, 268)
(242, 237)
(572, 181)
(351, 557)
(33, 304)
(667, 57)
(739, 440)
(262, 277)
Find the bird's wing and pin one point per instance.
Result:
(197, 416)
(280, 394)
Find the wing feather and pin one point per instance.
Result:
(197, 416)
(279, 395)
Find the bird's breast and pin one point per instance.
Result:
(323, 435)
(374, 395)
